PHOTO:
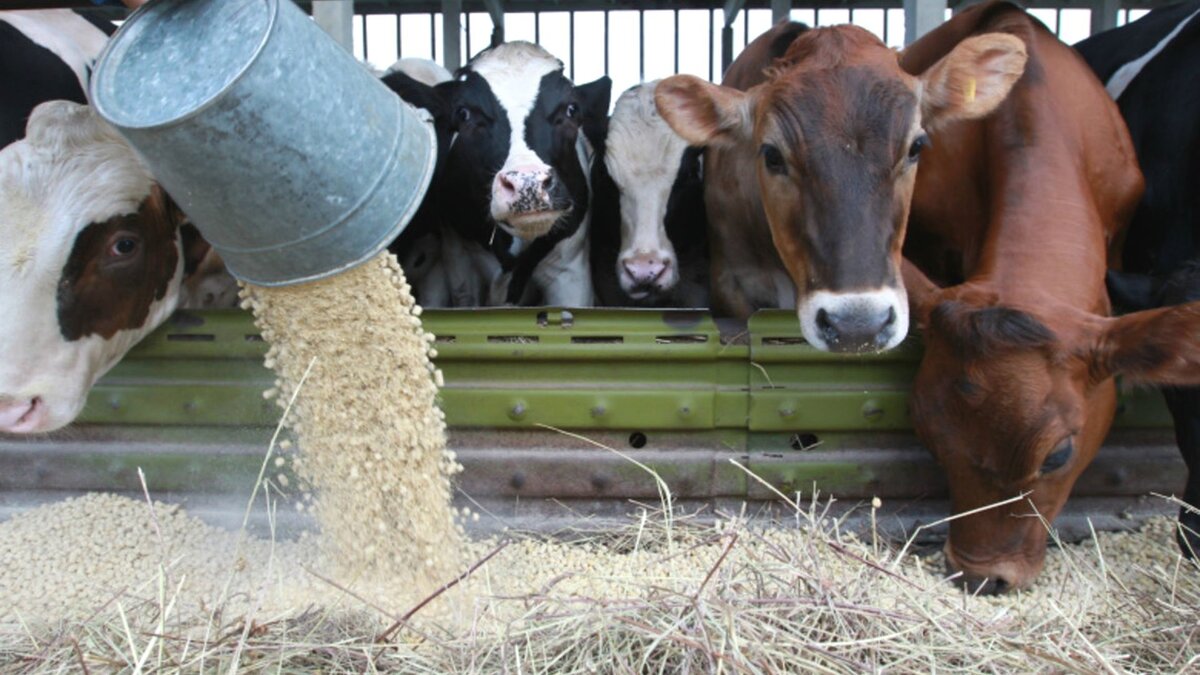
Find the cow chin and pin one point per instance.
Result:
(854, 322)
(993, 577)
(530, 225)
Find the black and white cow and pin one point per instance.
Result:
(514, 190)
(92, 261)
(45, 55)
(1150, 66)
(649, 232)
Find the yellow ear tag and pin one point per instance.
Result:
(971, 90)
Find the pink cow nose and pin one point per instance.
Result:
(525, 188)
(645, 268)
(23, 416)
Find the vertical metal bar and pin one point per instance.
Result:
(641, 45)
(606, 42)
(432, 37)
(537, 27)
(1058, 22)
(886, 21)
(816, 16)
(726, 48)
(365, 49)
(851, 15)
(336, 19)
(745, 27)
(712, 34)
(399, 37)
(780, 10)
(467, 32)
(677, 41)
(1104, 15)
(571, 49)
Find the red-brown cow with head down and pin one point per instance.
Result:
(1015, 392)
(838, 128)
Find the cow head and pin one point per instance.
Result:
(1017, 400)
(514, 160)
(839, 128)
(91, 262)
(647, 161)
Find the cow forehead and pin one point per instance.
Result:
(514, 72)
(640, 142)
(56, 181)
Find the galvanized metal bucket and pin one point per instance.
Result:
(292, 159)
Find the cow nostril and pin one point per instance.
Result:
(823, 321)
(548, 182)
(891, 317)
(506, 183)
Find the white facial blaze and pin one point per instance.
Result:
(69, 36)
(643, 157)
(514, 71)
(70, 170)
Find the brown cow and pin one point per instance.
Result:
(836, 131)
(746, 272)
(1015, 392)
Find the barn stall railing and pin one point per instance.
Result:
(678, 391)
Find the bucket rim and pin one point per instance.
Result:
(101, 68)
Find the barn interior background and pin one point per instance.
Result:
(682, 392)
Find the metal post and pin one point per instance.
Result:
(922, 16)
(452, 34)
(336, 17)
(496, 11)
(1104, 15)
(780, 10)
(732, 7)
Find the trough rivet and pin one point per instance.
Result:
(786, 411)
(685, 411)
(872, 411)
(517, 481)
(518, 411)
(599, 411)
(114, 403)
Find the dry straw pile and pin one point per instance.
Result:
(106, 583)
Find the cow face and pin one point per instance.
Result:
(645, 158)
(514, 160)
(90, 264)
(839, 129)
(1015, 402)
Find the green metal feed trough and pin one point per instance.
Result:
(675, 390)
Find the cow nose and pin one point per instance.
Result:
(645, 268)
(22, 415)
(854, 329)
(525, 186)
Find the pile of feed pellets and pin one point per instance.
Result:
(111, 582)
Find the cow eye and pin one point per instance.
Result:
(1059, 458)
(572, 110)
(123, 247)
(463, 114)
(773, 159)
(919, 143)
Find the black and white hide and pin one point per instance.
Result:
(649, 231)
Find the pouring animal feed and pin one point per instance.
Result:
(354, 367)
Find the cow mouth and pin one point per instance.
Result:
(533, 224)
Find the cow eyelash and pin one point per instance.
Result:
(1059, 458)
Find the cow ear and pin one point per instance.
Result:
(704, 113)
(1158, 346)
(972, 79)
(594, 98)
(415, 92)
(923, 294)
(1131, 292)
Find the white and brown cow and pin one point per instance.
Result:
(92, 261)
(649, 238)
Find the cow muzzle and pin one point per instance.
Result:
(23, 416)
(523, 200)
(854, 322)
(646, 273)
(991, 577)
